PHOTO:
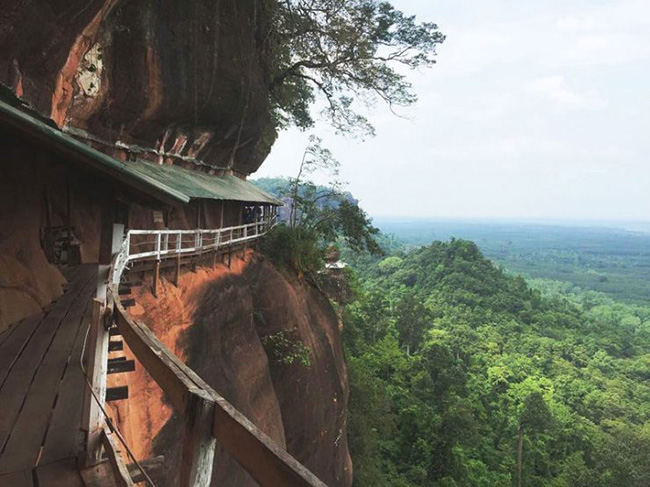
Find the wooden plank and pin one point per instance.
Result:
(58, 474)
(9, 331)
(120, 472)
(15, 344)
(127, 303)
(17, 479)
(27, 434)
(14, 390)
(64, 433)
(115, 346)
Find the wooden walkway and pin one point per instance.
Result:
(42, 390)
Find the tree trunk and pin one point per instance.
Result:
(520, 453)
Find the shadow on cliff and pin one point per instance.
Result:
(301, 405)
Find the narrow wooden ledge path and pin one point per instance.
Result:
(42, 389)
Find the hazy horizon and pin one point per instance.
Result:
(536, 110)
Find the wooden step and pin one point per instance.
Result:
(131, 283)
(120, 366)
(127, 303)
(117, 393)
(114, 331)
(115, 346)
(124, 290)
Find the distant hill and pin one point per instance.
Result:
(612, 260)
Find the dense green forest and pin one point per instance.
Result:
(460, 372)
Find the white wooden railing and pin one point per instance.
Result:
(142, 245)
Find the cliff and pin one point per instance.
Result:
(223, 322)
(187, 80)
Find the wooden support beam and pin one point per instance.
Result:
(261, 457)
(198, 442)
(120, 472)
(152, 466)
(96, 368)
(177, 274)
(156, 278)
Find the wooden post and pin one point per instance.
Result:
(106, 245)
(49, 241)
(96, 368)
(69, 215)
(178, 258)
(198, 442)
(156, 278)
(121, 474)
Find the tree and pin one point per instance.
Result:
(344, 50)
(534, 416)
(318, 216)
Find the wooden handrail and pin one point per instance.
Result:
(209, 416)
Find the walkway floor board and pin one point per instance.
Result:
(42, 389)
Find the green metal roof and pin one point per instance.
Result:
(167, 183)
(196, 184)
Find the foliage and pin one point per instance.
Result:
(318, 216)
(295, 248)
(344, 50)
(286, 349)
(456, 367)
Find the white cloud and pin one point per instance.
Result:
(556, 89)
(534, 108)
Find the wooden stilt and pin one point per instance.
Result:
(97, 360)
(156, 278)
(177, 275)
(198, 442)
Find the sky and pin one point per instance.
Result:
(536, 109)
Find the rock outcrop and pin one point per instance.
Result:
(188, 80)
(220, 321)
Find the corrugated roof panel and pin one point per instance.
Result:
(163, 181)
(201, 185)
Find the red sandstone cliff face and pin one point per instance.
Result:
(184, 78)
(217, 321)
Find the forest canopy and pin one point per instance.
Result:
(463, 375)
